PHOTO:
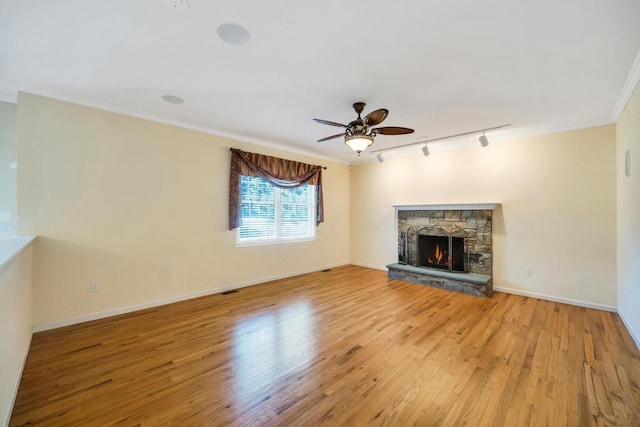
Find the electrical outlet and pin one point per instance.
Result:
(94, 287)
(528, 271)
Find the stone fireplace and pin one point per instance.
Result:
(448, 246)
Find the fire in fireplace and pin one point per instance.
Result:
(441, 250)
(434, 251)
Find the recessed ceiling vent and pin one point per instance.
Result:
(233, 34)
(172, 99)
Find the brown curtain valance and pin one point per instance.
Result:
(281, 173)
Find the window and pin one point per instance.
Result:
(271, 214)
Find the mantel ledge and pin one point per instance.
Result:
(448, 207)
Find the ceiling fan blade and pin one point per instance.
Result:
(376, 117)
(331, 137)
(392, 130)
(327, 122)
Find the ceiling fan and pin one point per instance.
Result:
(360, 132)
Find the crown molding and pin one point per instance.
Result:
(10, 98)
(630, 85)
(171, 122)
(8, 92)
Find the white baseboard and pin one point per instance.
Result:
(632, 332)
(375, 267)
(569, 301)
(16, 385)
(131, 308)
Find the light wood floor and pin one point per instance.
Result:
(345, 347)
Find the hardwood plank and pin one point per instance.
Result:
(344, 347)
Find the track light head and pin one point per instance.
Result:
(425, 150)
(483, 140)
(379, 157)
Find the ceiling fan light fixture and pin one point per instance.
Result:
(358, 142)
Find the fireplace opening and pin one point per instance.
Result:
(434, 251)
(443, 252)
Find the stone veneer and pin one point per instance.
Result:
(476, 223)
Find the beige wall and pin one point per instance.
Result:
(8, 185)
(141, 207)
(15, 327)
(628, 137)
(558, 212)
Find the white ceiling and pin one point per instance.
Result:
(440, 67)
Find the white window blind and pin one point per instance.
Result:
(271, 214)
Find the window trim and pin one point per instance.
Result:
(278, 223)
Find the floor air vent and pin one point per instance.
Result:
(231, 291)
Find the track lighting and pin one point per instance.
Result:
(483, 140)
